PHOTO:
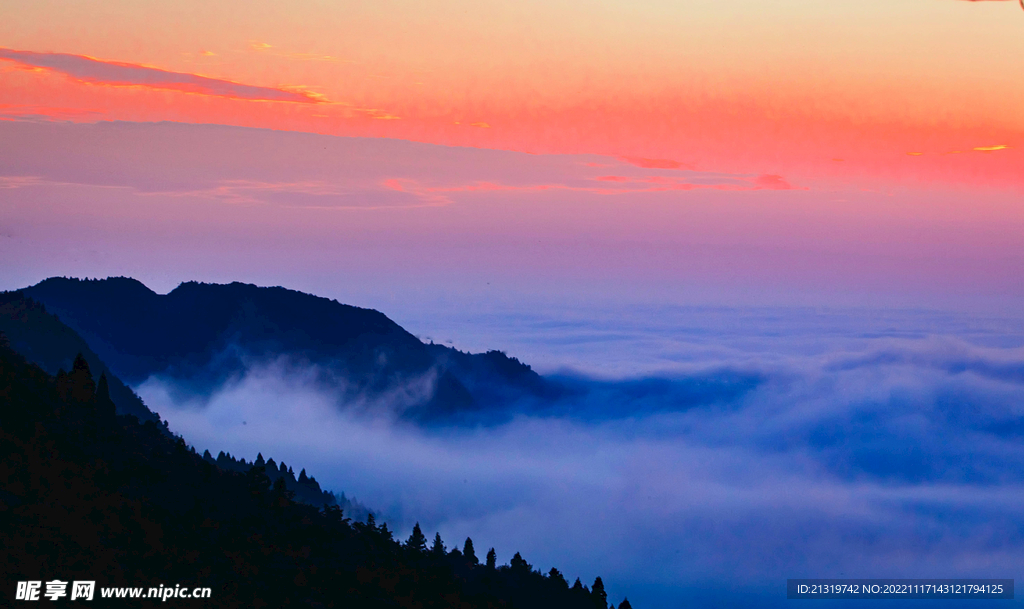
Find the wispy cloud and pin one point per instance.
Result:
(307, 195)
(697, 182)
(10, 182)
(118, 74)
(1021, 2)
(655, 163)
(985, 149)
(269, 49)
(257, 168)
(29, 112)
(618, 185)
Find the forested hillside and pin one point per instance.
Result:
(91, 495)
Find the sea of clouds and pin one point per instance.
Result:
(703, 456)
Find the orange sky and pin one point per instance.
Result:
(911, 90)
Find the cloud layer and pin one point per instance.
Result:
(315, 172)
(119, 74)
(860, 455)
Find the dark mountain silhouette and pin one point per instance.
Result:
(86, 494)
(201, 335)
(52, 345)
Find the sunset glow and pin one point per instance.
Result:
(714, 86)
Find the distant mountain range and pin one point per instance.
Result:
(202, 335)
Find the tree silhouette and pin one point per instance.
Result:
(280, 495)
(417, 541)
(598, 594)
(103, 388)
(556, 576)
(469, 553)
(492, 558)
(82, 387)
(518, 564)
(438, 548)
(625, 604)
(104, 405)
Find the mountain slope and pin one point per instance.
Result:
(87, 495)
(201, 335)
(52, 345)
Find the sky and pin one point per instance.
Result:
(814, 206)
(855, 151)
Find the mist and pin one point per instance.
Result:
(769, 456)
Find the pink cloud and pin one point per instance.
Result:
(656, 163)
(664, 183)
(772, 182)
(286, 170)
(1021, 1)
(618, 185)
(110, 73)
(25, 112)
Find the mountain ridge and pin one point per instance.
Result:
(201, 334)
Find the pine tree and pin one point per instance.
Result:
(625, 604)
(335, 514)
(556, 576)
(63, 385)
(417, 541)
(104, 405)
(492, 558)
(281, 496)
(438, 548)
(578, 585)
(469, 553)
(103, 388)
(598, 594)
(83, 388)
(303, 479)
(518, 564)
(259, 461)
